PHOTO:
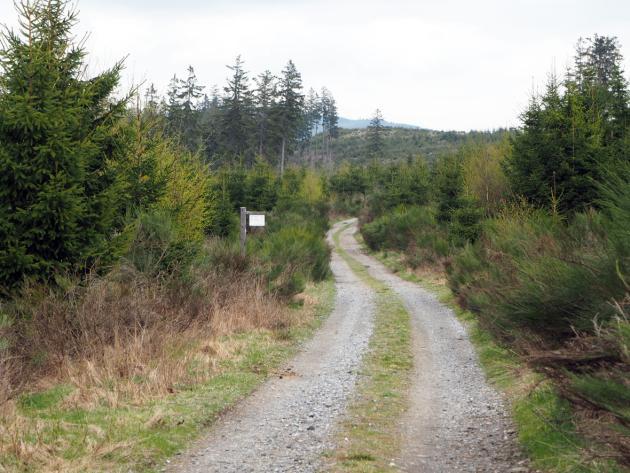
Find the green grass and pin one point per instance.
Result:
(141, 438)
(543, 419)
(369, 438)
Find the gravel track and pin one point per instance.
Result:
(456, 421)
(286, 425)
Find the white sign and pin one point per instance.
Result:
(256, 220)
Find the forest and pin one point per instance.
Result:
(122, 283)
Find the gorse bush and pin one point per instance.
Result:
(293, 256)
(531, 271)
(411, 229)
(158, 247)
(293, 250)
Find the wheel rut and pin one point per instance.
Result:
(287, 424)
(456, 421)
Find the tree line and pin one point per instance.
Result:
(269, 116)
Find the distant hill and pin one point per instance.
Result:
(400, 144)
(364, 123)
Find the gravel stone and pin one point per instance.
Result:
(288, 422)
(456, 422)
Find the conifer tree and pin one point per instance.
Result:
(237, 115)
(173, 108)
(448, 183)
(599, 78)
(151, 97)
(330, 120)
(376, 145)
(264, 97)
(575, 133)
(210, 125)
(312, 118)
(260, 186)
(189, 93)
(290, 108)
(58, 192)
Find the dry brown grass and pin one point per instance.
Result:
(119, 341)
(116, 330)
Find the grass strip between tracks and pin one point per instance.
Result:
(369, 438)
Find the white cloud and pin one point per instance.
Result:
(447, 64)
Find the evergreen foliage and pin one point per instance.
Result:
(237, 118)
(376, 146)
(574, 132)
(290, 109)
(59, 196)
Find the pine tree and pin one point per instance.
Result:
(210, 125)
(376, 145)
(222, 216)
(312, 118)
(237, 119)
(557, 157)
(173, 108)
(188, 95)
(264, 99)
(58, 192)
(260, 187)
(151, 103)
(449, 185)
(599, 78)
(290, 110)
(330, 120)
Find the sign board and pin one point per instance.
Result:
(256, 220)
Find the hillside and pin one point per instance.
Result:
(365, 122)
(400, 143)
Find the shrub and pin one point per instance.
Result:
(157, 248)
(224, 256)
(413, 230)
(465, 223)
(534, 272)
(292, 256)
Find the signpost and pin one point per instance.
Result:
(251, 219)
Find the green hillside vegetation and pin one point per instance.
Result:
(400, 144)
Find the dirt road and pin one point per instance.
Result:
(286, 425)
(456, 421)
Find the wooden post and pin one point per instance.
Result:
(243, 230)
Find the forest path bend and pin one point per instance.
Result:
(456, 421)
(287, 424)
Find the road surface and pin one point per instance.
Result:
(456, 421)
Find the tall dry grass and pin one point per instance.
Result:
(125, 327)
(121, 340)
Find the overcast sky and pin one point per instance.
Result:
(441, 64)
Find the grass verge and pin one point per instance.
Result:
(544, 420)
(369, 438)
(45, 431)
